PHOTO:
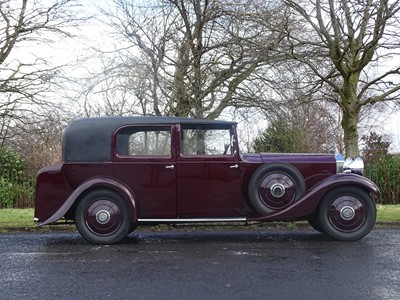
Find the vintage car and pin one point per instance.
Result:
(122, 172)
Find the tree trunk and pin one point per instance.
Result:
(348, 36)
(349, 125)
(179, 95)
(351, 111)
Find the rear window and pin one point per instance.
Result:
(144, 141)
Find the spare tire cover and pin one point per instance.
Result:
(275, 186)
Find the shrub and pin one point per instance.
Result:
(385, 172)
(16, 186)
(279, 137)
(7, 193)
(9, 162)
(375, 147)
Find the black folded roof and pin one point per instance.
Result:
(90, 139)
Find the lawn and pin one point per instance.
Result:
(22, 218)
(388, 213)
(16, 217)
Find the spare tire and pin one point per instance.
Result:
(275, 186)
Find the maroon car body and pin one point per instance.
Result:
(121, 172)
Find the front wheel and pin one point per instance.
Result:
(102, 217)
(347, 213)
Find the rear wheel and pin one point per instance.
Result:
(316, 224)
(102, 217)
(347, 213)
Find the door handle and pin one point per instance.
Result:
(235, 166)
(171, 167)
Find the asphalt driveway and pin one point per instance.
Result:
(201, 264)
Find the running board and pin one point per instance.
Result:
(193, 220)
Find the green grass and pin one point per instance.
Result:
(16, 217)
(23, 218)
(388, 213)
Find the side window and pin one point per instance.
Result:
(206, 141)
(144, 141)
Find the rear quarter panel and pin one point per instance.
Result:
(52, 190)
(54, 184)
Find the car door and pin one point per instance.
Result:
(208, 172)
(144, 160)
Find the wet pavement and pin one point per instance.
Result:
(201, 264)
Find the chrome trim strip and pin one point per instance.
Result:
(194, 220)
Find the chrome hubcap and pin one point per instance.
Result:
(103, 217)
(347, 213)
(277, 190)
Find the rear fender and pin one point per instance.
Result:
(110, 183)
(307, 204)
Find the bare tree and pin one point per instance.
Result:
(189, 58)
(39, 141)
(26, 77)
(307, 128)
(350, 47)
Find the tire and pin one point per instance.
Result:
(316, 224)
(102, 217)
(347, 213)
(275, 186)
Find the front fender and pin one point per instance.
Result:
(307, 204)
(113, 184)
(346, 179)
